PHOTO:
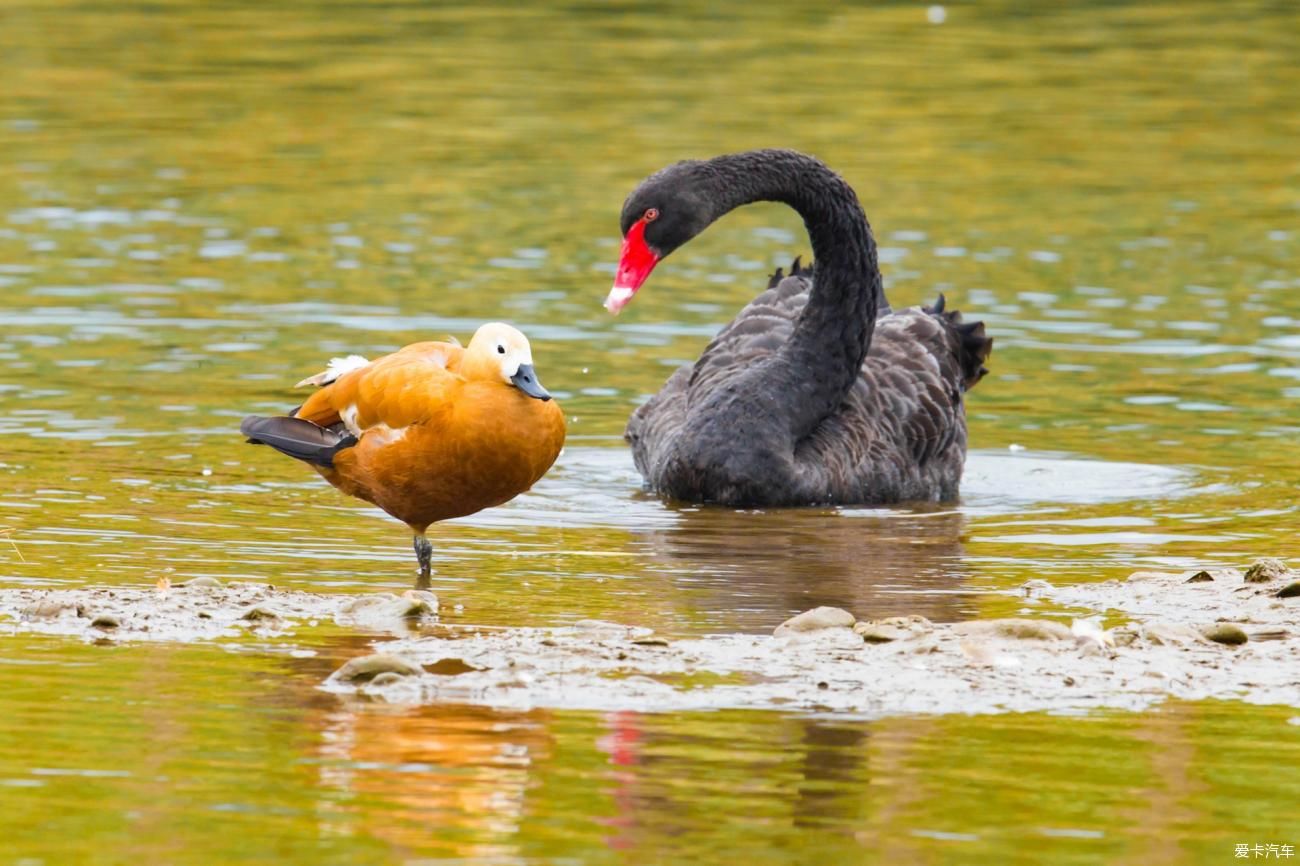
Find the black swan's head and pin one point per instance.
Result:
(668, 209)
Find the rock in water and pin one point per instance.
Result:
(1202, 577)
(202, 582)
(365, 668)
(1291, 590)
(1266, 570)
(1225, 633)
(817, 619)
(387, 678)
(383, 611)
(1016, 629)
(1139, 576)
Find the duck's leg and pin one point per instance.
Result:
(424, 553)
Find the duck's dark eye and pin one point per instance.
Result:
(651, 214)
(501, 350)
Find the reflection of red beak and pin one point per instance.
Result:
(635, 263)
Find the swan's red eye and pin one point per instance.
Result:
(651, 215)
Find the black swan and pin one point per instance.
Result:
(816, 392)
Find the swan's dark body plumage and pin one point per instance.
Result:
(899, 435)
(816, 392)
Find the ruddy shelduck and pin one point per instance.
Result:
(430, 432)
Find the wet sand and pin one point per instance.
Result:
(1189, 635)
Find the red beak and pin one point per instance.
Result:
(635, 263)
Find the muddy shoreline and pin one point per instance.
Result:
(1189, 635)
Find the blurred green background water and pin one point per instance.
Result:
(201, 202)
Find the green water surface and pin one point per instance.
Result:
(202, 202)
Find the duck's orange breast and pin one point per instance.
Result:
(431, 453)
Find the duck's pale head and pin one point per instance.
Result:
(504, 352)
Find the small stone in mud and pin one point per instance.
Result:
(365, 668)
(201, 583)
(1171, 634)
(450, 667)
(1124, 636)
(1291, 590)
(49, 608)
(260, 614)
(1266, 570)
(1200, 577)
(1225, 633)
(875, 632)
(911, 622)
(893, 628)
(105, 620)
(1016, 629)
(817, 619)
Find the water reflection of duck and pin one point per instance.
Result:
(465, 770)
(806, 397)
(430, 432)
(750, 570)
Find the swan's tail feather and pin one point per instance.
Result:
(297, 438)
(973, 345)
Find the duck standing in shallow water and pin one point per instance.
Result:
(430, 432)
(816, 393)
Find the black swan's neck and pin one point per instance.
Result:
(832, 335)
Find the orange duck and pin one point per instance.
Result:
(430, 432)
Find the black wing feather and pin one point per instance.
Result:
(297, 438)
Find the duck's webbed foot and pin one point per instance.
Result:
(424, 553)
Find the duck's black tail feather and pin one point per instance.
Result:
(973, 345)
(297, 438)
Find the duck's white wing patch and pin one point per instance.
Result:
(385, 434)
(380, 433)
(437, 357)
(349, 418)
(336, 367)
